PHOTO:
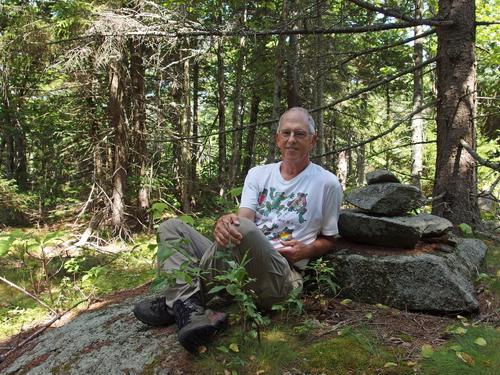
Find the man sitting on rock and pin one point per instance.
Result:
(288, 214)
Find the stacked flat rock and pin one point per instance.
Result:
(381, 217)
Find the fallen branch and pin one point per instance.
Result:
(10, 283)
(479, 159)
(41, 330)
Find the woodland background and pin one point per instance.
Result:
(114, 111)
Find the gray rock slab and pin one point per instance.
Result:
(379, 230)
(417, 281)
(105, 341)
(389, 198)
(379, 176)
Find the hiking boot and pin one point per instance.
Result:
(197, 326)
(154, 312)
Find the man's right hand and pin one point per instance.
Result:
(225, 231)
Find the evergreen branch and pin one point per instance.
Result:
(400, 15)
(380, 135)
(479, 159)
(401, 146)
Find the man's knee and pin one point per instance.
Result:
(248, 228)
(170, 225)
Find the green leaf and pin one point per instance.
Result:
(456, 348)
(427, 351)
(390, 364)
(369, 315)
(232, 289)
(480, 341)
(187, 219)
(223, 349)
(216, 289)
(465, 229)
(346, 301)
(459, 331)
(234, 347)
(234, 192)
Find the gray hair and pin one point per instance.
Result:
(310, 121)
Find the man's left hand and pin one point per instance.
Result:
(294, 250)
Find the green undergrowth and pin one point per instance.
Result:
(61, 281)
(285, 346)
(472, 351)
(490, 274)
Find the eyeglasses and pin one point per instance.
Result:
(299, 134)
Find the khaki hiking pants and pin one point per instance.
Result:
(274, 278)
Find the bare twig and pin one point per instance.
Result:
(10, 283)
(479, 159)
(399, 15)
(371, 139)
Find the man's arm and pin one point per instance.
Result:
(225, 231)
(294, 250)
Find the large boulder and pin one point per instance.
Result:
(396, 231)
(391, 199)
(415, 280)
(379, 176)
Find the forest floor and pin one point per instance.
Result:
(332, 336)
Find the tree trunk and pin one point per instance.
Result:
(417, 123)
(185, 144)
(138, 120)
(455, 186)
(292, 69)
(250, 143)
(221, 113)
(360, 165)
(194, 144)
(116, 110)
(319, 84)
(237, 107)
(278, 77)
(342, 168)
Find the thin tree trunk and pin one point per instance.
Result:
(342, 168)
(319, 84)
(278, 78)
(186, 132)
(117, 122)
(194, 144)
(250, 143)
(138, 120)
(417, 123)
(221, 114)
(237, 108)
(360, 165)
(455, 187)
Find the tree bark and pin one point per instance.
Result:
(117, 122)
(221, 106)
(237, 108)
(194, 144)
(456, 180)
(250, 142)
(185, 144)
(319, 84)
(417, 122)
(138, 120)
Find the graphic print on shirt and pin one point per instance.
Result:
(280, 213)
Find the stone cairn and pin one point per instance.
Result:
(409, 262)
(381, 217)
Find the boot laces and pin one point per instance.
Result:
(184, 310)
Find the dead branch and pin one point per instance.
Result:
(10, 283)
(371, 139)
(400, 15)
(244, 32)
(374, 85)
(41, 330)
(479, 159)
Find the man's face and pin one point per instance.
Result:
(294, 139)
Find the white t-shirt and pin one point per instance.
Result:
(300, 208)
